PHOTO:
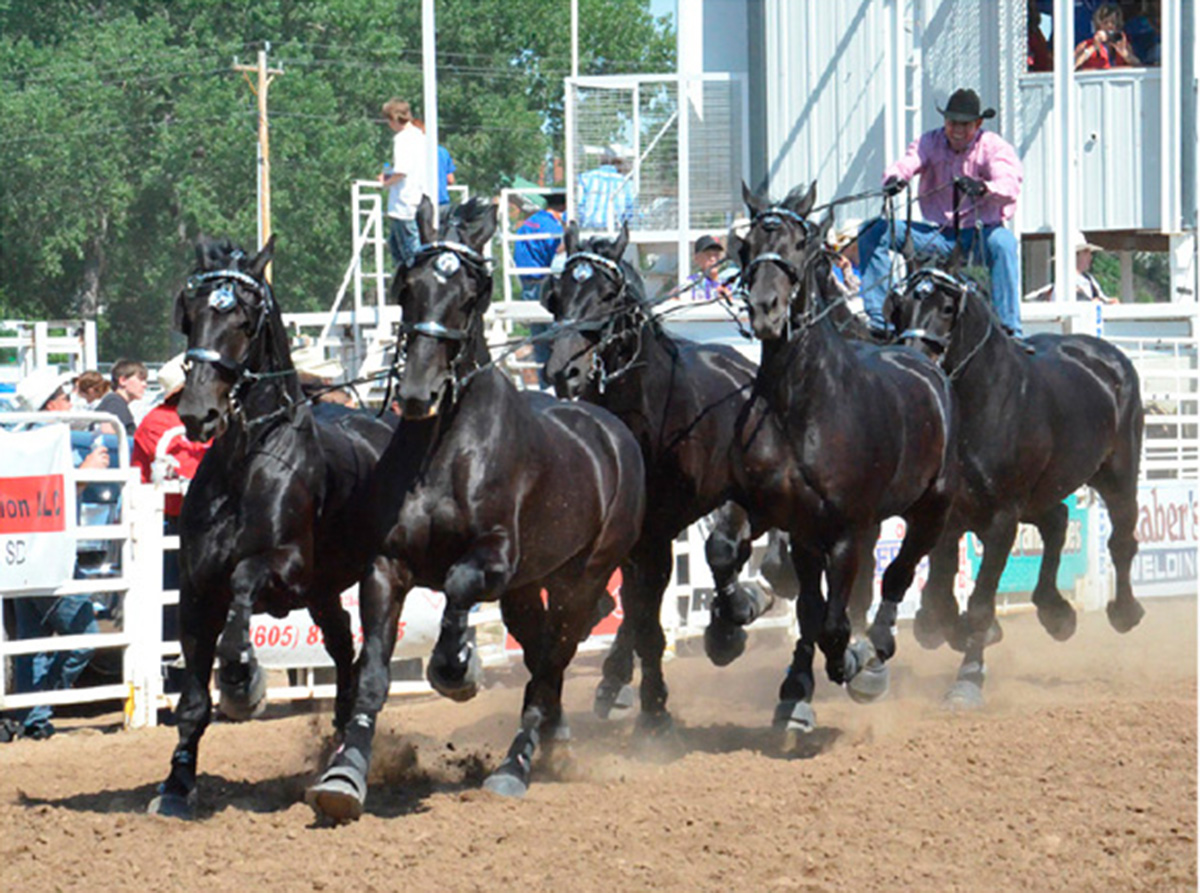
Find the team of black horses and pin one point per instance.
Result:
(486, 492)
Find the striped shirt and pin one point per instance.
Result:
(605, 198)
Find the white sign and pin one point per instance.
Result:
(1168, 531)
(37, 507)
(296, 641)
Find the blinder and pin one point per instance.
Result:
(222, 299)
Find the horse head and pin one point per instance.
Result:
(234, 331)
(443, 295)
(773, 256)
(926, 307)
(597, 300)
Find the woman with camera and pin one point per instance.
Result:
(1108, 47)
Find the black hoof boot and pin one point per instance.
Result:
(456, 676)
(614, 699)
(928, 632)
(1124, 616)
(512, 777)
(966, 694)
(173, 805)
(724, 642)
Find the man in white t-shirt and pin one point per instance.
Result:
(405, 179)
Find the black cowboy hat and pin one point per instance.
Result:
(964, 105)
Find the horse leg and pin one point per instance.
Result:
(198, 638)
(1119, 491)
(1054, 612)
(937, 617)
(727, 550)
(980, 616)
(794, 712)
(481, 574)
(342, 790)
(529, 621)
(777, 568)
(651, 562)
(334, 623)
(862, 593)
(614, 694)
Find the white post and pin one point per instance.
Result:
(1066, 214)
(574, 38)
(429, 75)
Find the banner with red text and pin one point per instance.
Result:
(37, 548)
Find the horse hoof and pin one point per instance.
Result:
(459, 682)
(724, 642)
(795, 716)
(339, 795)
(870, 683)
(244, 700)
(1059, 621)
(614, 700)
(173, 806)
(928, 633)
(1124, 616)
(506, 783)
(654, 725)
(964, 695)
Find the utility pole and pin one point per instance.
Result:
(265, 76)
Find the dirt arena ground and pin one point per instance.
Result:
(1080, 775)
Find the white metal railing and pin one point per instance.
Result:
(35, 342)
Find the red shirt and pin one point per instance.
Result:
(1104, 57)
(161, 434)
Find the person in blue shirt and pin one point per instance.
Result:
(446, 169)
(606, 197)
(533, 253)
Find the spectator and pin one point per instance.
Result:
(1145, 36)
(1108, 47)
(606, 197)
(405, 179)
(89, 387)
(41, 616)
(162, 451)
(532, 253)
(129, 379)
(1039, 56)
(317, 375)
(706, 283)
(446, 169)
(1086, 286)
(961, 159)
(844, 241)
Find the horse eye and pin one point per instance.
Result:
(582, 272)
(222, 299)
(447, 264)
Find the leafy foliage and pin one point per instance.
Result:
(129, 134)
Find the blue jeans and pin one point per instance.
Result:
(532, 291)
(999, 254)
(403, 240)
(68, 615)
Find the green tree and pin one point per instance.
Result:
(130, 135)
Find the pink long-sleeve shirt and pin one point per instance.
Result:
(988, 158)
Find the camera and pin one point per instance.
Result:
(1114, 36)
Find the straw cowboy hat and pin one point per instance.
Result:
(171, 376)
(839, 237)
(311, 360)
(964, 105)
(35, 389)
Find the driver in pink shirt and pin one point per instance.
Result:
(983, 170)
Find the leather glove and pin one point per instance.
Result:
(893, 186)
(970, 186)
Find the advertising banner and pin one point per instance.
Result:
(37, 548)
(1168, 530)
(296, 641)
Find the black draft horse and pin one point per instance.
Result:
(271, 520)
(1033, 428)
(485, 493)
(681, 400)
(867, 434)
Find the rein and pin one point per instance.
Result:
(922, 284)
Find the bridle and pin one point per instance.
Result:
(223, 299)
(773, 218)
(923, 284)
(449, 257)
(613, 328)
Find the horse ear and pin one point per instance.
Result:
(801, 202)
(259, 264)
(478, 219)
(180, 317)
(754, 202)
(571, 238)
(548, 296)
(622, 241)
(823, 228)
(891, 310)
(425, 221)
(736, 248)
